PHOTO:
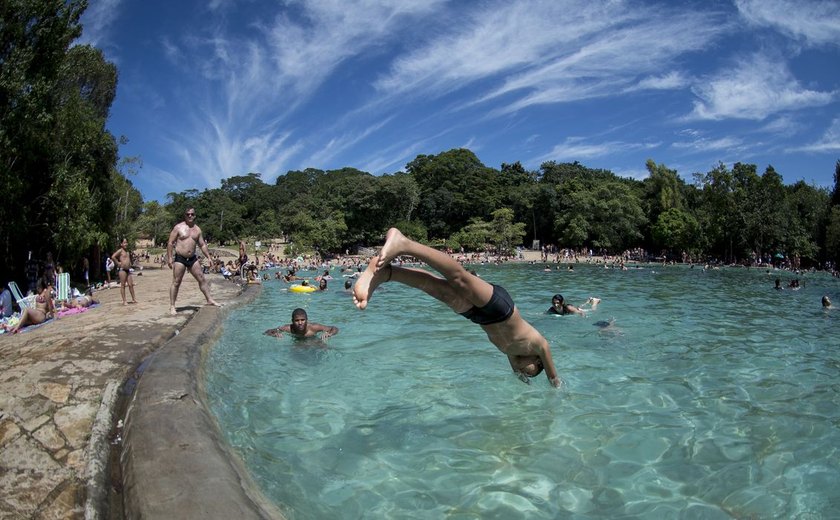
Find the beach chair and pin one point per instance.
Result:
(22, 301)
(62, 287)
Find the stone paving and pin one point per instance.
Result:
(60, 384)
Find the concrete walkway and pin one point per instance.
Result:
(60, 384)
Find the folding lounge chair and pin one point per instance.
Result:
(62, 289)
(23, 302)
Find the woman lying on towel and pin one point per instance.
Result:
(75, 306)
(42, 311)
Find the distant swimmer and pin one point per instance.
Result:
(302, 328)
(608, 328)
(826, 302)
(559, 306)
(489, 306)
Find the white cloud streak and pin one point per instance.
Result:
(602, 47)
(576, 148)
(97, 20)
(828, 143)
(816, 23)
(753, 88)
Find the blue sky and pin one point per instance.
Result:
(217, 88)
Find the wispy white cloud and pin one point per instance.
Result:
(670, 81)
(577, 148)
(829, 142)
(256, 81)
(342, 143)
(814, 22)
(704, 144)
(753, 88)
(782, 126)
(603, 47)
(97, 20)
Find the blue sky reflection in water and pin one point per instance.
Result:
(714, 395)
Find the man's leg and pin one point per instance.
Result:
(202, 283)
(178, 270)
(468, 286)
(434, 286)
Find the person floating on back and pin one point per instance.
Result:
(487, 305)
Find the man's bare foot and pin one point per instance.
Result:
(394, 241)
(133, 301)
(172, 310)
(125, 303)
(214, 303)
(368, 282)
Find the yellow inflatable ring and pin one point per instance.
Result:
(302, 288)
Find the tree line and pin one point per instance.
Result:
(66, 191)
(726, 215)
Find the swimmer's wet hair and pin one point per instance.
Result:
(298, 312)
(558, 296)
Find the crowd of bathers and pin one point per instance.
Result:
(41, 306)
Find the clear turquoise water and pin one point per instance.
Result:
(718, 397)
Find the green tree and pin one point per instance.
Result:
(454, 186)
(835, 193)
(719, 214)
(832, 239)
(505, 234)
(677, 231)
(56, 157)
(155, 222)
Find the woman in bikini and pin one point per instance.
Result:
(36, 315)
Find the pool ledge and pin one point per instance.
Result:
(174, 461)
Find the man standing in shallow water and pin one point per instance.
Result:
(184, 239)
(486, 305)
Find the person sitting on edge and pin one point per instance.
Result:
(301, 328)
(489, 306)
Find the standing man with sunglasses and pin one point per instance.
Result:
(184, 239)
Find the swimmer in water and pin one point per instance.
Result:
(608, 328)
(489, 306)
(559, 306)
(302, 328)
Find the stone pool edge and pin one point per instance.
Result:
(174, 460)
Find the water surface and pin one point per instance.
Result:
(711, 396)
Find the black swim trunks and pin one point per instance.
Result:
(188, 262)
(497, 310)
